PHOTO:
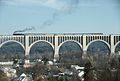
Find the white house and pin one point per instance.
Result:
(24, 77)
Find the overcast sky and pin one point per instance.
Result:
(60, 16)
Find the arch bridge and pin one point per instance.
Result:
(57, 40)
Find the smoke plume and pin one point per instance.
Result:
(60, 7)
(64, 7)
(24, 30)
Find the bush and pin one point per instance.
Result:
(3, 76)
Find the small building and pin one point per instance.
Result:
(25, 77)
(76, 67)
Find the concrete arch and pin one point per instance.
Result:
(70, 57)
(69, 41)
(29, 48)
(96, 41)
(116, 45)
(12, 41)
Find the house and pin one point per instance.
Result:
(76, 67)
(24, 77)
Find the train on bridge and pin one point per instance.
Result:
(84, 40)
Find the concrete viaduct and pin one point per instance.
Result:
(57, 40)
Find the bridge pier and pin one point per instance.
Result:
(27, 49)
(56, 55)
(84, 54)
(84, 47)
(112, 44)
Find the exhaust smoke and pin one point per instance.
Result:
(24, 30)
(64, 7)
(60, 6)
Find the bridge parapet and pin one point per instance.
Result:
(48, 38)
(105, 38)
(64, 38)
(18, 38)
(116, 39)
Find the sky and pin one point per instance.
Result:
(59, 16)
